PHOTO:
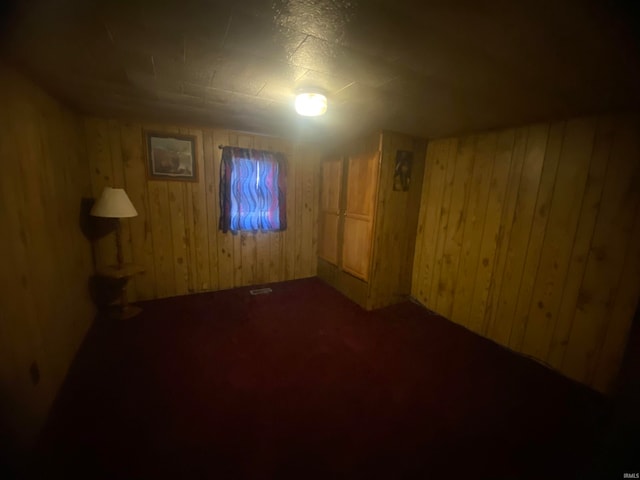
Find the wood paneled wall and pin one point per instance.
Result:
(175, 236)
(396, 223)
(45, 308)
(531, 237)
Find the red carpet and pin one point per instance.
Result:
(301, 383)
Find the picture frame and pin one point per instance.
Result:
(402, 171)
(171, 156)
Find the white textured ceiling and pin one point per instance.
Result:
(428, 68)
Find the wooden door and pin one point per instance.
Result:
(362, 184)
(330, 209)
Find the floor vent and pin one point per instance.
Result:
(260, 291)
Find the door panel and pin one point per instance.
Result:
(362, 183)
(356, 247)
(330, 209)
(329, 240)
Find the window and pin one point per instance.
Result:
(252, 190)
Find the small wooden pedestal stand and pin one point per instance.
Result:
(122, 273)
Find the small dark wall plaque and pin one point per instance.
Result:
(402, 172)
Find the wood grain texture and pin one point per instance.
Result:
(457, 210)
(45, 307)
(331, 183)
(491, 230)
(603, 276)
(396, 223)
(359, 213)
(425, 220)
(571, 177)
(547, 155)
(176, 236)
(200, 244)
(588, 216)
(377, 234)
(133, 159)
(475, 219)
(549, 252)
(492, 327)
(443, 222)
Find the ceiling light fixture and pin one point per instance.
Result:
(311, 104)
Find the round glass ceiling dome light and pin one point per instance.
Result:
(311, 104)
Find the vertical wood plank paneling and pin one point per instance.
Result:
(422, 260)
(22, 309)
(491, 231)
(178, 228)
(188, 236)
(551, 154)
(291, 233)
(406, 210)
(199, 238)
(307, 208)
(582, 244)
(179, 251)
(606, 258)
(142, 251)
(520, 230)
(564, 212)
(622, 313)
(176, 236)
(385, 225)
(298, 188)
(45, 308)
(493, 326)
(443, 224)
(561, 279)
(437, 161)
(162, 234)
(484, 153)
(396, 222)
(209, 209)
(315, 208)
(21, 339)
(455, 225)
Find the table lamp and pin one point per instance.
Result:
(114, 203)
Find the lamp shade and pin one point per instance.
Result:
(113, 203)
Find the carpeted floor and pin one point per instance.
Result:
(302, 383)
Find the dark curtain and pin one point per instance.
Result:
(252, 190)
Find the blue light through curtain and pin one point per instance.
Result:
(252, 190)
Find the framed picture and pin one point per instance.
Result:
(171, 157)
(402, 171)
